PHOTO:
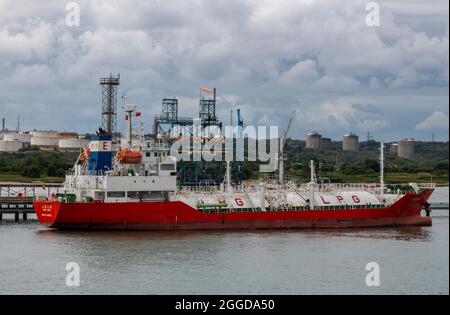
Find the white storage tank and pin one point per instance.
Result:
(10, 145)
(350, 142)
(22, 137)
(406, 148)
(67, 135)
(6, 132)
(44, 134)
(394, 148)
(72, 144)
(314, 141)
(44, 139)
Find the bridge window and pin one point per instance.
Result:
(167, 167)
(133, 194)
(116, 194)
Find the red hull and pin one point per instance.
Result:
(179, 216)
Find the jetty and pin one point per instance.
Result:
(17, 198)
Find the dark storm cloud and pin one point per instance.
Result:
(266, 57)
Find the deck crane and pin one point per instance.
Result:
(281, 156)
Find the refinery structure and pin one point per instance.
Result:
(350, 142)
(314, 141)
(404, 148)
(14, 141)
(168, 127)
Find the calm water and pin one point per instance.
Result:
(412, 260)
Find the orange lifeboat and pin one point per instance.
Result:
(128, 156)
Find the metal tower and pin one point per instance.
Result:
(207, 112)
(164, 124)
(170, 108)
(109, 103)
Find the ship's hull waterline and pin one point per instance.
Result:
(176, 215)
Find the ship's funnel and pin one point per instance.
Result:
(100, 156)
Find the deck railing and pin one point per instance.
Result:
(291, 186)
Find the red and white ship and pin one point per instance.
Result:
(141, 193)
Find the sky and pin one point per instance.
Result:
(269, 58)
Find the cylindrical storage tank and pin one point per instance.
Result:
(44, 134)
(72, 144)
(5, 132)
(22, 137)
(406, 148)
(68, 135)
(394, 148)
(45, 139)
(350, 142)
(10, 145)
(45, 142)
(314, 141)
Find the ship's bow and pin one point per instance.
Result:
(47, 212)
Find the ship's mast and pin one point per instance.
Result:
(312, 185)
(142, 134)
(382, 168)
(129, 110)
(227, 183)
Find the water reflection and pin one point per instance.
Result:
(411, 233)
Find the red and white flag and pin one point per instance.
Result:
(138, 114)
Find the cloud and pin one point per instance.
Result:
(273, 57)
(343, 116)
(32, 44)
(303, 72)
(373, 125)
(336, 83)
(436, 121)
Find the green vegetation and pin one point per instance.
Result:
(35, 165)
(429, 164)
(332, 163)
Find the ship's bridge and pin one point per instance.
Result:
(155, 182)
